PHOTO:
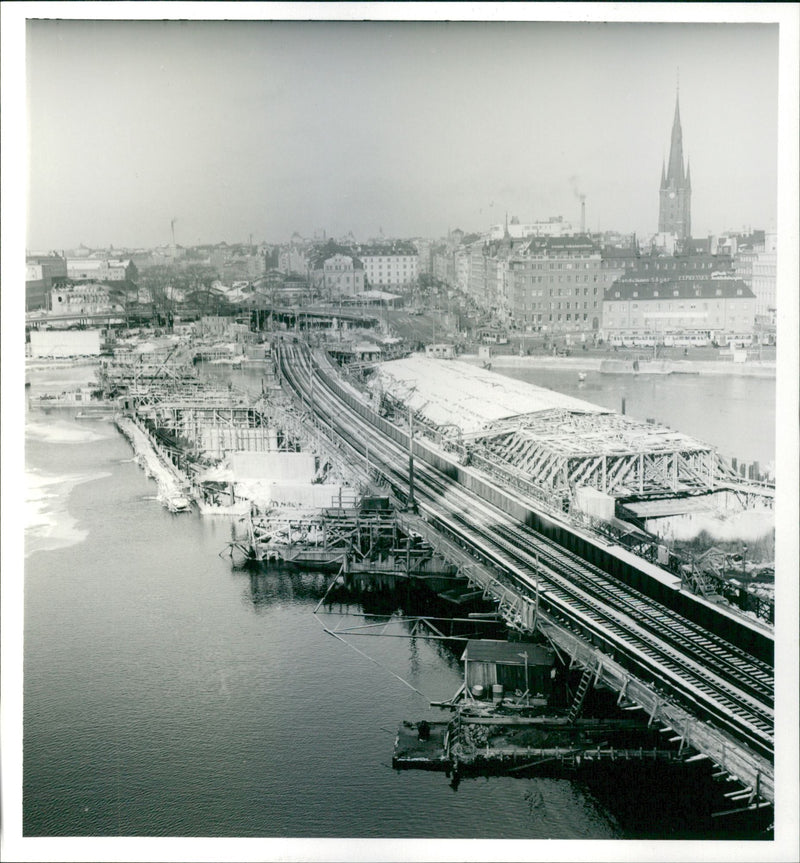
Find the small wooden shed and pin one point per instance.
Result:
(488, 662)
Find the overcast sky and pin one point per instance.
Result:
(267, 128)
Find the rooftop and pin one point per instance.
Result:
(469, 397)
(506, 652)
(554, 245)
(684, 288)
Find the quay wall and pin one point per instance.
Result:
(626, 366)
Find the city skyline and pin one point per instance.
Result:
(411, 129)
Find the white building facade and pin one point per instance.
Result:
(393, 266)
(342, 275)
(712, 308)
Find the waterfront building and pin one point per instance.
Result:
(556, 284)
(675, 193)
(700, 308)
(391, 265)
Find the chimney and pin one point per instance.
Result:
(583, 214)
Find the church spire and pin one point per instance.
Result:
(675, 196)
(675, 170)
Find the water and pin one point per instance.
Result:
(168, 694)
(734, 414)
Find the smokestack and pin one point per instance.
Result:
(583, 214)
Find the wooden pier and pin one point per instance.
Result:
(524, 745)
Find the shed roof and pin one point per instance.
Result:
(467, 396)
(506, 652)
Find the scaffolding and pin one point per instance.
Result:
(558, 451)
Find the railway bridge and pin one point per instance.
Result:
(704, 674)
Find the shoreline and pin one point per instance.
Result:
(615, 366)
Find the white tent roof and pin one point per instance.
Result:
(468, 396)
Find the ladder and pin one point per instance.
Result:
(580, 694)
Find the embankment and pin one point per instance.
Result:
(631, 366)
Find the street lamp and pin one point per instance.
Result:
(744, 555)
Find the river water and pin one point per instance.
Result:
(167, 693)
(734, 414)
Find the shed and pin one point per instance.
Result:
(366, 352)
(444, 351)
(488, 662)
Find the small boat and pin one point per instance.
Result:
(83, 396)
(179, 504)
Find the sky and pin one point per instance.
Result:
(265, 128)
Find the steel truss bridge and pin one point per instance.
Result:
(715, 699)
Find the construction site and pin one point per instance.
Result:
(672, 499)
(533, 501)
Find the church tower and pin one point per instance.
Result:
(674, 214)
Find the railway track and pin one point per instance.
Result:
(660, 661)
(716, 680)
(730, 662)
